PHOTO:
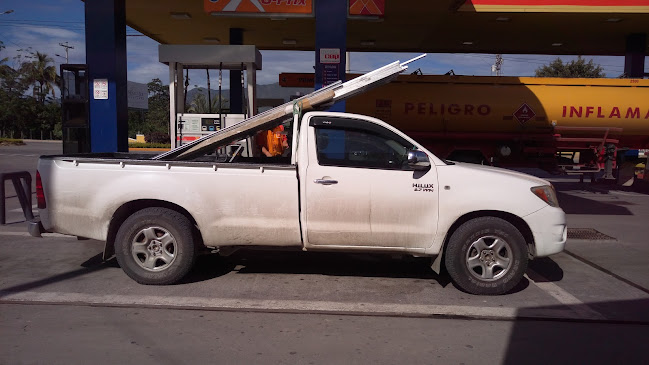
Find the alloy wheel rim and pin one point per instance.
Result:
(154, 248)
(489, 258)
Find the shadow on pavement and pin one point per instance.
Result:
(544, 270)
(212, 266)
(573, 204)
(91, 265)
(621, 339)
(640, 187)
(319, 263)
(208, 267)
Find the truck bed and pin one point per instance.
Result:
(146, 159)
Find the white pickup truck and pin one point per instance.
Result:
(349, 183)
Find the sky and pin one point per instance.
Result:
(44, 24)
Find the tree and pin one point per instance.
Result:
(22, 114)
(157, 118)
(576, 68)
(14, 109)
(42, 72)
(3, 60)
(199, 105)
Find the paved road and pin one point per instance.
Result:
(60, 304)
(25, 157)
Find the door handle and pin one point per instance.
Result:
(325, 181)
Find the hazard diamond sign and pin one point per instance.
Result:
(524, 113)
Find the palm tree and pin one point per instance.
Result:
(42, 72)
(199, 104)
(3, 60)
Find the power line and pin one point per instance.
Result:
(37, 20)
(52, 24)
(12, 42)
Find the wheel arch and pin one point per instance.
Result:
(513, 219)
(127, 209)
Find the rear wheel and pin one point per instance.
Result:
(487, 256)
(155, 246)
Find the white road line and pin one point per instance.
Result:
(21, 209)
(26, 234)
(18, 154)
(299, 306)
(565, 298)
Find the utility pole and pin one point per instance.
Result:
(497, 67)
(66, 50)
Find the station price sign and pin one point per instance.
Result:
(330, 73)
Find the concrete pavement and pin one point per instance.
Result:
(585, 305)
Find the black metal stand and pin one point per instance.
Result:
(22, 181)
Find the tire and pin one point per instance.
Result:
(486, 256)
(155, 246)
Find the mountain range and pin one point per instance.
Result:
(270, 91)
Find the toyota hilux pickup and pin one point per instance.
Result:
(347, 183)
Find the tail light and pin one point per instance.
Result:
(40, 194)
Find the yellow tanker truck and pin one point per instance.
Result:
(519, 121)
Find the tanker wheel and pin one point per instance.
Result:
(155, 246)
(486, 256)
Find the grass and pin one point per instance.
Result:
(11, 142)
(149, 145)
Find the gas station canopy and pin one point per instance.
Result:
(589, 27)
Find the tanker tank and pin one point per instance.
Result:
(518, 107)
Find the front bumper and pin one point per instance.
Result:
(35, 227)
(550, 231)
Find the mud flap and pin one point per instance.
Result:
(436, 265)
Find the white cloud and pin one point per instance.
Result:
(147, 72)
(46, 40)
(142, 60)
(276, 62)
(53, 32)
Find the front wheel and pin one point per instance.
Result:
(486, 256)
(155, 246)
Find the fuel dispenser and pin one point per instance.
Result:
(186, 127)
(194, 126)
(75, 121)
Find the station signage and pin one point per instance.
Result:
(329, 55)
(296, 79)
(330, 73)
(576, 6)
(363, 8)
(138, 95)
(259, 7)
(100, 89)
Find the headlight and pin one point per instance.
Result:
(547, 194)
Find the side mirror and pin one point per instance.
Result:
(418, 160)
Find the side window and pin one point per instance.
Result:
(355, 146)
(270, 145)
